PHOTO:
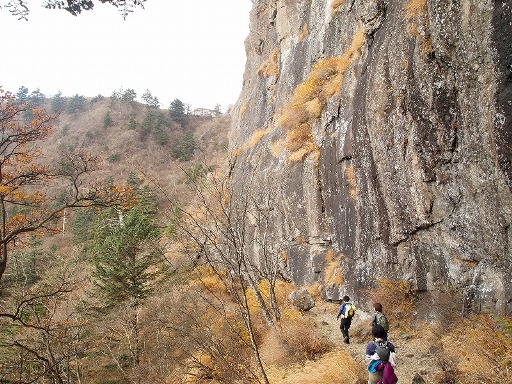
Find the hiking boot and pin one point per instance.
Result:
(346, 340)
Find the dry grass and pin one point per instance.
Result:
(415, 8)
(337, 367)
(237, 151)
(333, 275)
(242, 110)
(310, 97)
(303, 33)
(257, 136)
(277, 147)
(270, 67)
(397, 299)
(478, 350)
(205, 277)
(352, 182)
(281, 345)
(309, 346)
(336, 4)
(416, 13)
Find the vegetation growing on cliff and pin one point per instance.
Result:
(310, 97)
(336, 4)
(416, 12)
(270, 67)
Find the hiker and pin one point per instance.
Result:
(380, 356)
(346, 313)
(378, 318)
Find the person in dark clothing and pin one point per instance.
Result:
(380, 356)
(346, 313)
(378, 318)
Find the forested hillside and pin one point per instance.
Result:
(154, 284)
(368, 155)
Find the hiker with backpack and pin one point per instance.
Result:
(380, 356)
(378, 318)
(346, 312)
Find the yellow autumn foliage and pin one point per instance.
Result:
(310, 97)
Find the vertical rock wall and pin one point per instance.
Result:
(385, 127)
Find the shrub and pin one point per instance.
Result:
(397, 299)
(257, 136)
(184, 147)
(76, 104)
(132, 124)
(114, 158)
(309, 346)
(270, 67)
(97, 98)
(107, 120)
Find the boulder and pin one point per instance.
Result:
(302, 299)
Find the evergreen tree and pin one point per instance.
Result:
(177, 112)
(82, 225)
(154, 123)
(129, 95)
(107, 120)
(149, 100)
(22, 94)
(76, 104)
(125, 254)
(132, 124)
(97, 98)
(36, 98)
(184, 148)
(58, 103)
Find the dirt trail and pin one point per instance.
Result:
(412, 353)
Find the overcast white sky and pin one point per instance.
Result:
(192, 50)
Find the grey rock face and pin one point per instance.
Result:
(392, 153)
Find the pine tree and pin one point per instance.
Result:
(177, 112)
(22, 94)
(184, 148)
(149, 100)
(58, 103)
(125, 255)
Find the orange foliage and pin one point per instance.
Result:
(311, 95)
(26, 181)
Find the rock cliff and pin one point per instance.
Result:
(383, 131)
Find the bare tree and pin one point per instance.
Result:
(228, 231)
(31, 198)
(42, 338)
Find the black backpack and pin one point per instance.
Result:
(382, 349)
